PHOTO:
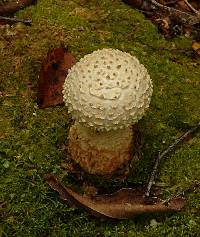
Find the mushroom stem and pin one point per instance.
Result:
(100, 152)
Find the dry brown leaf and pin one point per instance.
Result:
(12, 7)
(52, 75)
(124, 204)
(196, 45)
(196, 48)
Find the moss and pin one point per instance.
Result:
(32, 140)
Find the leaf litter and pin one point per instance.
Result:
(122, 204)
(173, 17)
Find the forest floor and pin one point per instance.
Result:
(32, 139)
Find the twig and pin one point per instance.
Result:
(10, 21)
(160, 156)
(191, 7)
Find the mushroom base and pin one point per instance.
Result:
(100, 153)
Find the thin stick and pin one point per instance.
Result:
(12, 20)
(160, 156)
(191, 7)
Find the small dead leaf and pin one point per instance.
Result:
(123, 204)
(13, 6)
(52, 75)
(196, 45)
(196, 48)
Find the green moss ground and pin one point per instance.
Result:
(32, 139)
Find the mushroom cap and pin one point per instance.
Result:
(107, 90)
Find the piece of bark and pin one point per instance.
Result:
(123, 204)
(12, 7)
(52, 76)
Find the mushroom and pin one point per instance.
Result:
(106, 92)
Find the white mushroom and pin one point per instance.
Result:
(106, 92)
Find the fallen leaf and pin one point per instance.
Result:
(123, 204)
(196, 48)
(52, 76)
(196, 45)
(12, 7)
